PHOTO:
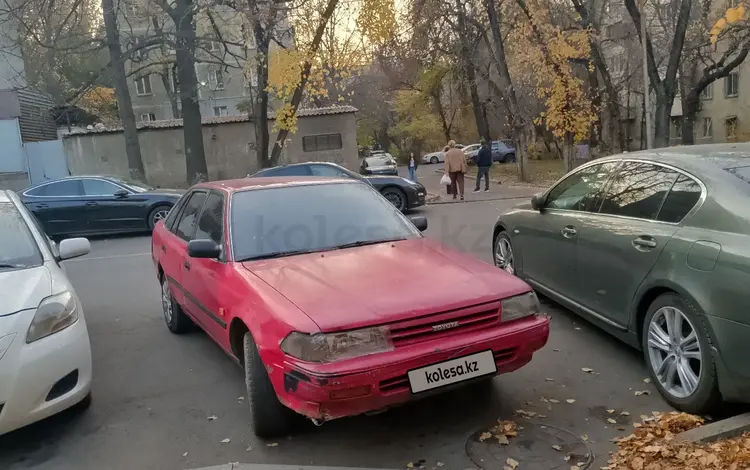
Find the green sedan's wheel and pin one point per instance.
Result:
(678, 354)
(158, 213)
(396, 197)
(503, 254)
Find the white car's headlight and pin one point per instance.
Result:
(54, 313)
(520, 306)
(332, 347)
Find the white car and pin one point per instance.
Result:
(434, 157)
(45, 354)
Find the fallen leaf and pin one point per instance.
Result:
(585, 437)
(502, 439)
(549, 379)
(552, 400)
(511, 463)
(226, 440)
(647, 380)
(240, 398)
(249, 449)
(620, 428)
(577, 328)
(185, 454)
(611, 421)
(575, 467)
(557, 447)
(566, 458)
(642, 392)
(556, 350)
(624, 413)
(212, 418)
(409, 465)
(440, 464)
(484, 436)
(570, 400)
(272, 444)
(610, 411)
(587, 370)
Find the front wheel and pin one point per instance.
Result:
(502, 253)
(396, 197)
(270, 417)
(176, 320)
(677, 349)
(510, 158)
(158, 213)
(434, 160)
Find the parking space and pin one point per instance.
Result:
(154, 392)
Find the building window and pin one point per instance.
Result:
(317, 143)
(148, 117)
(221, 111)
(677, 127)
(143, 85)
(708, 92)
(706, 129)
(216, 79)
(731, 128)
(131, 7)
(732, 85)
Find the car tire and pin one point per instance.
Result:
(396, 197)
(156, 214)
(503, 255)
(434, 160)
(174, 316)
(510, 158)
(270, 417)
(705, 396)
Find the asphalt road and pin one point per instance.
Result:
(154, 391)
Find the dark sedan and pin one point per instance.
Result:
(379, 164)
(401, 192)
(654, 247)
(87, 205)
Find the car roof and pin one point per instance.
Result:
(695, 158)
(244, 184)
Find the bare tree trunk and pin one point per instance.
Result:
(124, 104)
(469, 73)
(167, 83)
(438, 103)
(260, 97)
(508, 91)
(297, 95)
(689, 110)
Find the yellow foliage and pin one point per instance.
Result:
(731, 16)
(102, 102)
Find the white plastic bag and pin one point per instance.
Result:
(445, 179)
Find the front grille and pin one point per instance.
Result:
(468, 319)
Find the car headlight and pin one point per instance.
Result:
(54, 313)
(520, 306)
(330, 347)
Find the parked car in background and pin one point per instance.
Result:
(88, 205)
(503, 153)
(383, 153)
(403, 193)
(379, 165)
(654, 247)
(471, 152)
(45, 355)
(304, 279)
(434, 157)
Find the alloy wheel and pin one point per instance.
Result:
(166, 300)
(395, 198)
(675, 352)
(159, 215)
(504, 255)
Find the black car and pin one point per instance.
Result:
(88, 205)
(379, 164)
(403, 193)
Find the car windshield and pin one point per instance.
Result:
(315, 217)
(379, 160)
(18, 249)
(136, 186)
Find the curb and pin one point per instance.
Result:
(724, 429)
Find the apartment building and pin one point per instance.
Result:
(224, 46)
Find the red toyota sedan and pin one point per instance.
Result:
(332, 300)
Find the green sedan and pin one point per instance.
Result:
(653, 247)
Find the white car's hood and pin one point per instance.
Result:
(23, 289)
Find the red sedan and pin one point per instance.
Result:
(332, 300)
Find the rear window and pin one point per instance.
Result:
(378, 161)
(18, 248)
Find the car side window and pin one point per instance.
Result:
(327, 170)
(211, 221)
(637, 190)
(64, 188)
(174, 212)
(681, 199)
(581, 190)
(38, 191)
(188, 218)
(296, 170)
(94, 187)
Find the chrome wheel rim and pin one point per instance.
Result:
(504, 255)
(160, 215)
(396, 199)
(166, 301)
(675, 352)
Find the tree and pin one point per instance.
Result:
(102, 102)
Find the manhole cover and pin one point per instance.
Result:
(532, 448)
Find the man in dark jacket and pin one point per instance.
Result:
(484, 162)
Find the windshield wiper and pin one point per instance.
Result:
(368, 242)
(276, 254)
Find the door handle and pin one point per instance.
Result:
(568, 231)
(644, 242)
(187, 265)
(92, 203)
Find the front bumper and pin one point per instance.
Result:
(45, 377)
(380, 381)
(417, 197)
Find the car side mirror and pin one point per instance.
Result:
(203, 248)
(537, 202)
(420, 222)
(73, 248)
(121, 193)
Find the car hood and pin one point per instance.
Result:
(21, 290)
(380, 180)
(379, 284)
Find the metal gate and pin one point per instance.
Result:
(46, 160)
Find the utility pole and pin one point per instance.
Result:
(646, 83)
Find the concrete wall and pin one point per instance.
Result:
(12, 158)
(14, 181)
(229, 147)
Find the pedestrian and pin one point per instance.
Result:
(484, 162)
(455, 168)
(412, 167)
